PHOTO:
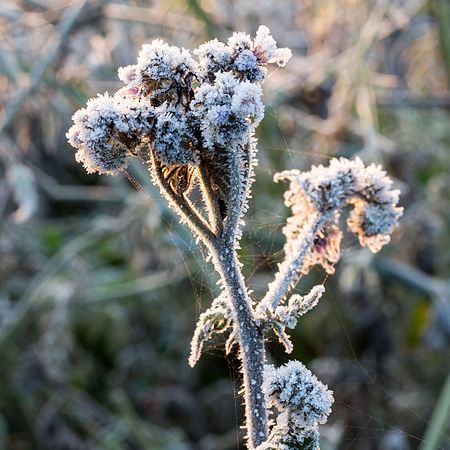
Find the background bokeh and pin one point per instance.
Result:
(100, 287)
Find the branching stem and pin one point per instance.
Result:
(250, 337)
(181, 206)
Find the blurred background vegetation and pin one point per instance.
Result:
(100, 287)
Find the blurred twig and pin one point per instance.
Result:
(197, 9)
(153, 16)
(32, 293)
(439, 420)
(412, 277)
(136, 286)
(441, 9)
(398, 98)
(38, 70)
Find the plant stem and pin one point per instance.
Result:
(250, 337)
(210, 200)
(240, 166)
(288, 270)
(180, 205)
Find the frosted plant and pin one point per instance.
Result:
(192, 123)
(302, 403)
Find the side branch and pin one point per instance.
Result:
(288, 271)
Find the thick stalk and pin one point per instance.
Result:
(251, 341)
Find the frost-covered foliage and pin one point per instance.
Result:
(192, 124)
(324, 192)
(286, 315)
(217, 319)
(176, 113)
(301, 403)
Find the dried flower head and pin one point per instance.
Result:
(214, 57)
(108, 130)
(162, 73)
(174, 143)
(324, 192)
(228, 111)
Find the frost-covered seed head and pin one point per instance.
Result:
(160, 61)
(302, 403)
(214, 56)
(294, 388)
(221, 111)
(228, 110)
(173, 142)
(163, 73)
(265, 48)
(107, 130)
(128, 74)
(324, 192)
(239, 41)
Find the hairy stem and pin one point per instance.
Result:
(289, 269)
(238, 192)
(250, 338)
(222, 247)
